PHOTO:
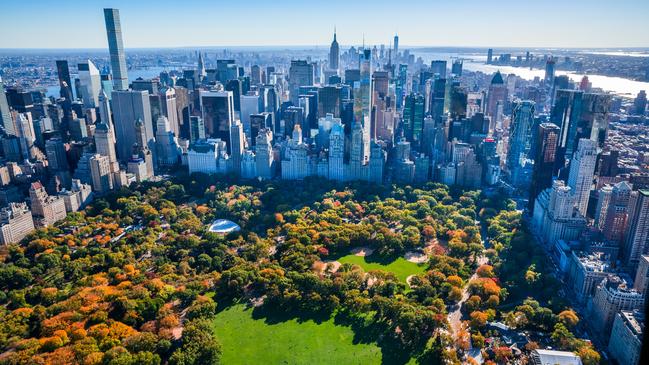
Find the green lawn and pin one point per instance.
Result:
(401, 267)
(247, 341)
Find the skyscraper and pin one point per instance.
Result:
(128, 107)
(169, 108)
(90, 82)
(363, 100)
(337, 151)
(640, 103)
(617, 212)
(300, 74)
(217, 108)
(201, 66)
(334, 54)
(264, 154)
(65, 82)
(582, 170)
(544, 159)
(413, 117)
(396, 46)
(637, 235)
(56, 156)
(116, 48)
(165, 141)
(519, 139)
(102, 181)
(105, 115)
(104, 142)
(549, 71)
(456, 68)
(6, 121)
(329, 101)
(238, 141)
(496, 97)
(438, 67)
(196, 129)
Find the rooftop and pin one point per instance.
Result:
(552, 357)
(634, 320)
(224, 226)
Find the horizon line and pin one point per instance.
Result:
(307, 46)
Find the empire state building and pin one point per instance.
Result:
(334, 54)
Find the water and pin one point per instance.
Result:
(617, 85)
(475, 62)
(145, 73)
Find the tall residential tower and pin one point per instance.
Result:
(116, 47)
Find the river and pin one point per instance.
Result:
(472, 62)
(476, 62)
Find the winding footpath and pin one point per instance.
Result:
(455, 317)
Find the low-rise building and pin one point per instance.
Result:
(551, 357)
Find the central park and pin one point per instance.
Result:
(194, 271)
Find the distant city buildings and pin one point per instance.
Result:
(572, 156)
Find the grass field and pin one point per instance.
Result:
(248, 340)
(401, 267)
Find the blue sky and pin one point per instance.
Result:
(188, 23)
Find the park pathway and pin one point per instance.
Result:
(455, 317)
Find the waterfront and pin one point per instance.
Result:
(476, 62)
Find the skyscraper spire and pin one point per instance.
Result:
(334, 53)
(201, 65)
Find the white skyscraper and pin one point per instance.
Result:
(90, 81)
(169, 108)
(102, 180)
(166, 143)
(582, 170)
(264, 154)
(337, 151)
(105, 113)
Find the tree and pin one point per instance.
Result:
(478, 340)
(569, 318)
(562, 338)
(455, 295)
(202, 307)
(485, 271)
(478, 319)
(198, 345)
(589, 356)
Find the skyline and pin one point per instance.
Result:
(472, 23)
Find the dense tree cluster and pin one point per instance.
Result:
(517, 282)
(137, 279)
